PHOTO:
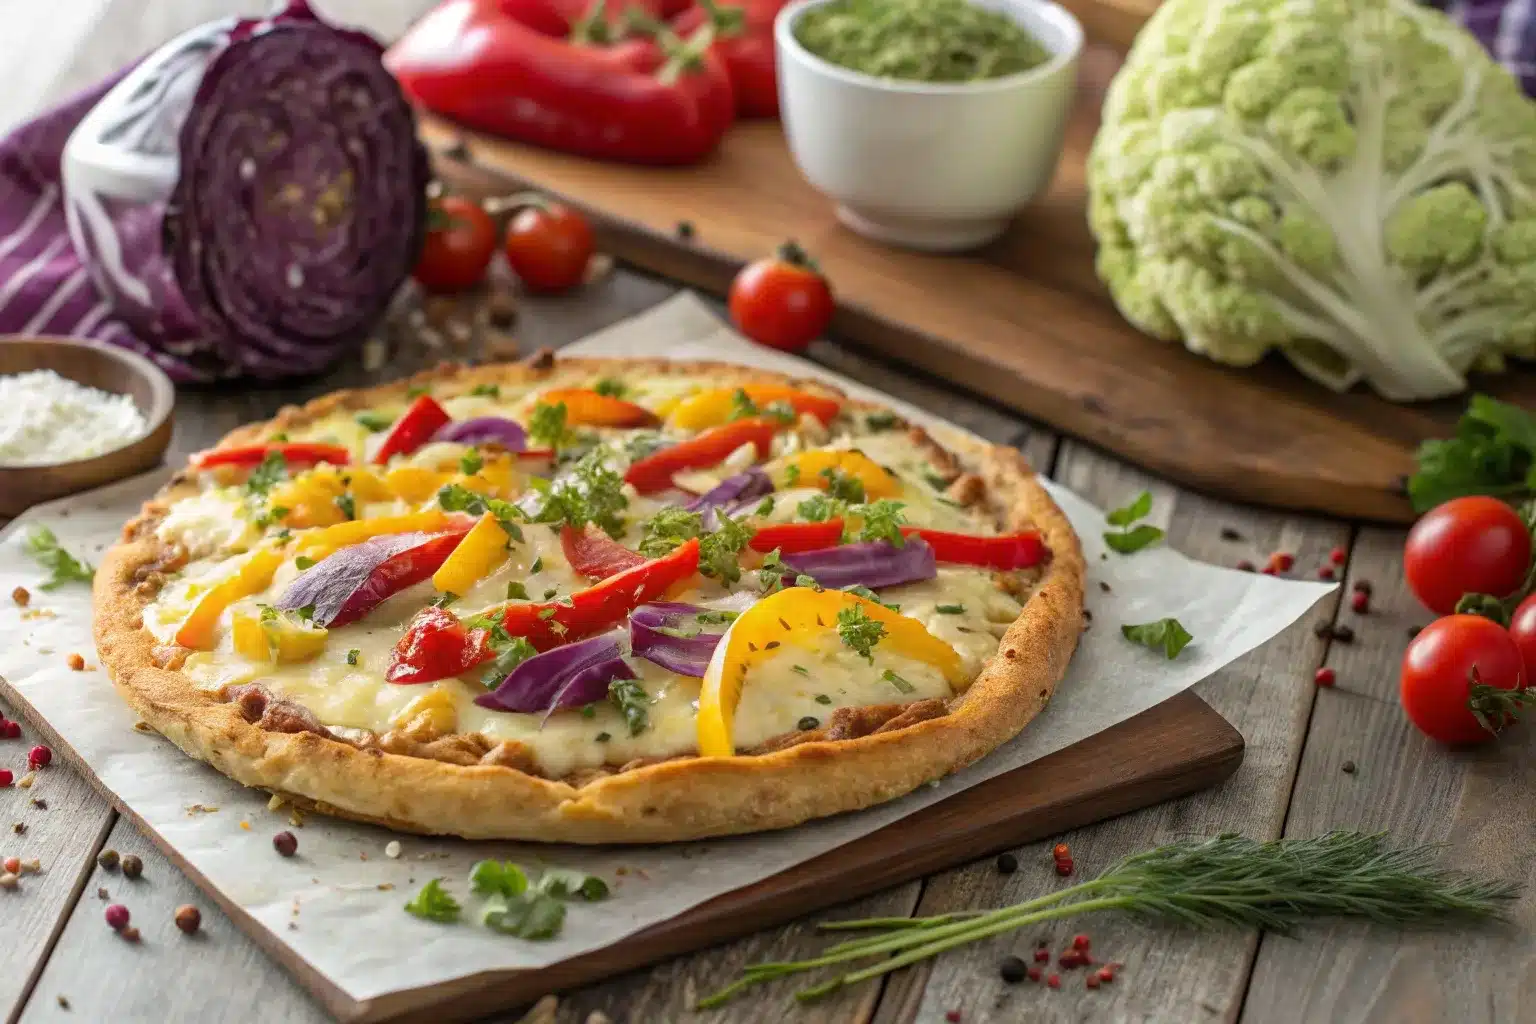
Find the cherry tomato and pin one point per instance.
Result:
(1474, 545)
(549, 246)
(1438, 670)
(782, 302)
(461, 239)
(1522, 627)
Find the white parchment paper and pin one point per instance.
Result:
(338, 903)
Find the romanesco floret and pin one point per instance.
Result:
(1351, 182)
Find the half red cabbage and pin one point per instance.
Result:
(251, 196)
(733, 490)
(507, 433)
(870, 563)
(670, 634)
(347, 585)
(566, 677)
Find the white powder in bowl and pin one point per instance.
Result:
(45, 418)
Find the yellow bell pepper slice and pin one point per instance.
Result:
(438, 706)
(808, 468)
(268, 635)
(798, 615)
(715, 406)
(254, 575)
(322, 542)
(483, 548)
(415, 483)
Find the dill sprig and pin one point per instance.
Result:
(1225, 880)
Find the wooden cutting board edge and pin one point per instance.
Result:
(1176, 748)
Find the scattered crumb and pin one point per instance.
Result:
(598, 267)
(1103, 586)
(31, 867)
(143, 727)
(40, 613)
(9, 881)
(102, 894)
(362, 856)
(275, 804)
(245, 825)
(296, 819)
(75, 662)
(194, 809)
(40, 803)
(20, 828)
(21, 596)
(598, 1017)
(621, 871)
(27, 780)
(392, 849)
(63, 1002)
(386, 886)
(293, 926)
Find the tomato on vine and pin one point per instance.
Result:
(1522, 628)
(461, 239)
(1463, 679)
(549, 246)
(1474, 545)
(783, 302)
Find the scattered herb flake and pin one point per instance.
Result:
(434, 903)
(897, 681)
(486, 391)
(859, 632)
(471, 462)
(950, 609)
(516, 591)
(353, 655)
(631, 699)
(62, 566)
(611, 387)
(373, 422)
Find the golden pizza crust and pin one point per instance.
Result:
(678, 799)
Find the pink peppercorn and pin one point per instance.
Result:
(1042, 956)
(1325, 676)
(1325, 572)
(117, 917)
(1244, 565)
(1034, 974)
(11, 731)
(1360, 601)
(12, 865)
(953, 1016)
(6, 778)
(1081, 943)
(39, 757)
(1105, 975)
(1092, 981)
(1054, 981)
(1337, 556)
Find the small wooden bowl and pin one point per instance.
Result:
(99, 366)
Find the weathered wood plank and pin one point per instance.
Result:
(1267, 696)
(217, 975)
(1476, 801)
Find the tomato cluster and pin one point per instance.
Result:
(1467, 674)
(548, 246)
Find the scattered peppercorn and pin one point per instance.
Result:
(9, 880)
(1244, 565)
(285, 843)
(1034, 974)
(102, 894)
(1324, 676)
(12, 865)
(685, 229)
(7, 778)
(1270, 570)
(75, 662)
(1081, 943)
(12, 731)
(1105, 975)
(1013, 970)
(189, 919)
(130, 934)
(1070, 959)
(1325, 572)
(1042, 956)
(1064, 867)
(1414, 631)
(1230, 533)
(63, 1002)
(21, 597)
(1061, 850)
(1007, 863)
(117, 917)
(107, 859)
(20, 828)
(1054, 981)
(953, 1016)
(1092, 981)
(1360, 601)
(1362, 587)
(808, 723)
(40, 803)
(133, 867)
(1343, 634)
(1349, 767)
(39, 757)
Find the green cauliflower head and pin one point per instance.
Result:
(1352, 182)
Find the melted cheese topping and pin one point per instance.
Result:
(782, 690)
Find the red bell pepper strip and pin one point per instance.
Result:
(477, 62)
(293, 452)
(744, 40)
(584, 407)
(789, 538)
(654, 472)
(1002, 552)
(437, 645)
(594, 554)
(413, 429)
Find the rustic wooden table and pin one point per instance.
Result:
(1316, 758)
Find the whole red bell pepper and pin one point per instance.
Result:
(744, 40)
(293, 452)
(437, 644)
(415, 427)
(493, 65)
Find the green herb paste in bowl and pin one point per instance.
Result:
(919, 40)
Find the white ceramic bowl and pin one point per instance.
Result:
(938, 167)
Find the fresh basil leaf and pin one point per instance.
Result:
(530, 917)
(1166, 635)
(498, 878)
(566, 884)
(434, 903)
(1127, 514)
(62, 566)
(1128, 542)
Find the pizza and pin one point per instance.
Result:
(591, 601)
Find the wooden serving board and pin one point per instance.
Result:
(1171, 750)
(1023, 322)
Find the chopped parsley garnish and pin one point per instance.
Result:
(306, 613)
(742, 406)
(271, 515)
(718, 551)
(516, 591)
(640, 445)
(717, 616)
(764, 507)
(809, 582)
(633, 702)
(458, 498)
(895, 680)
(353, 655)
(434, 903)
(593, 492)
(546, 425)
(1166, 635)
(859, 632)
(509, 651)
(486, 391)
(781, 411)
(267, 475)
(303, 562)
(772, 573)
(538, 564)
(792, 474)
(843, 486)
(818, 508)
(471, 462)
(444, 599)
(373, 421)
(1130, 539)
(882, 520)
(935, 481)
(514, 907)
(803, 671)
(415, 392)
(62, 566)
(347, 504)
(610, 387)
(278, 438)
(950, 609)
(821, 698)
(869, 595)
(882, 420)
(566, 884)
(603, 737)
(668, 528)
(589, 711)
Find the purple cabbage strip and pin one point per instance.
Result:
(870, 563)
(731, 491)
(345, 586)
(566, 677)
(507, 433)
(649, 637)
